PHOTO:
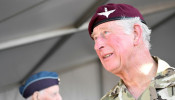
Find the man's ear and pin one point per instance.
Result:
(137, 34)
(35, 96)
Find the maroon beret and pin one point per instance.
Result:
(110, 12)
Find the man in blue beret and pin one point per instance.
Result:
(43, 85)
(122, 43)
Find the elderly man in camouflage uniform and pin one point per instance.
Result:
(121, 39)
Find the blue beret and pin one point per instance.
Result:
(37, 82)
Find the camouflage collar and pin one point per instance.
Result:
(165, 76)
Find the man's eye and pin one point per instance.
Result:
(54, 94)
(95, 38)
(106, 32)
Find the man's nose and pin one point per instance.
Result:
(99, 43)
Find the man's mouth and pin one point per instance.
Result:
(106, 56)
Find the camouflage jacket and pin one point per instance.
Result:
(162, 87)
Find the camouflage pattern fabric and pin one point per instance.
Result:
(162, 87)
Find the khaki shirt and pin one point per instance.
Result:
(162, 87)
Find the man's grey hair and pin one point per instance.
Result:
(128, 23)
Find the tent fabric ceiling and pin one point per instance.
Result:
(21, 19)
